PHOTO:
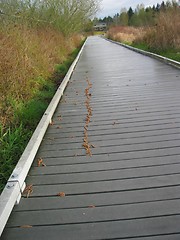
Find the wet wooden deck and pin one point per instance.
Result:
(130, 187)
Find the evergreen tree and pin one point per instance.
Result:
(130, 14)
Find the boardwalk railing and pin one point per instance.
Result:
(16, 184)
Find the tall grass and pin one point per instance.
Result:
(163, 38)
(125, 34)
(27, 57)
(26, 114)
(12, 142)
(166, 34)
(33, 62)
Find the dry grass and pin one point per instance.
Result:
(166, 34)
(163, 37)
(27, 56)
(125, 34)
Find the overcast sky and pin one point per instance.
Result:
(111, 7)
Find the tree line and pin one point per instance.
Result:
(139, 17)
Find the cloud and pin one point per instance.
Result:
(111, 7)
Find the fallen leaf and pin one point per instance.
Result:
(41, 163)
(61, 194)
(28, 190)
(26, 226)
(93, 146)
(91, 206)
(85, 145)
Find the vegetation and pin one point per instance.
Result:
(156, 29)
(26, 115)
(66, 16)
(36, 41)
(125, 34)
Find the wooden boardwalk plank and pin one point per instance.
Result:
(99, 199)
(101, 175)
(114, 185)
(95, 214)
(151, 227)
(130, 187)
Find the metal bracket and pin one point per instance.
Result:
(11, 183)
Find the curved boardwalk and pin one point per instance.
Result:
(125, 109)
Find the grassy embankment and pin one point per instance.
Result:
(33, 62)
(162, 39)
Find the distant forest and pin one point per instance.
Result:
(139, 17)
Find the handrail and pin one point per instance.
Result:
(16, 183)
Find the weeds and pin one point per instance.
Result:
(125, 34)
(165, 35)
(27, 58)
(12, 142)
(162, 38)
(15, 135)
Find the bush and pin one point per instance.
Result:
(27, 61)
(125, 34)
(165, 35)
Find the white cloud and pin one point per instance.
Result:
(111, 7)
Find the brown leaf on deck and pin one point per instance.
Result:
(41, 163)
(61, 194)
(91, 206)
(85, 128)
(28, 190)
(26, 226)
(93, 146)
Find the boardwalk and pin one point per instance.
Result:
(125, 109)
